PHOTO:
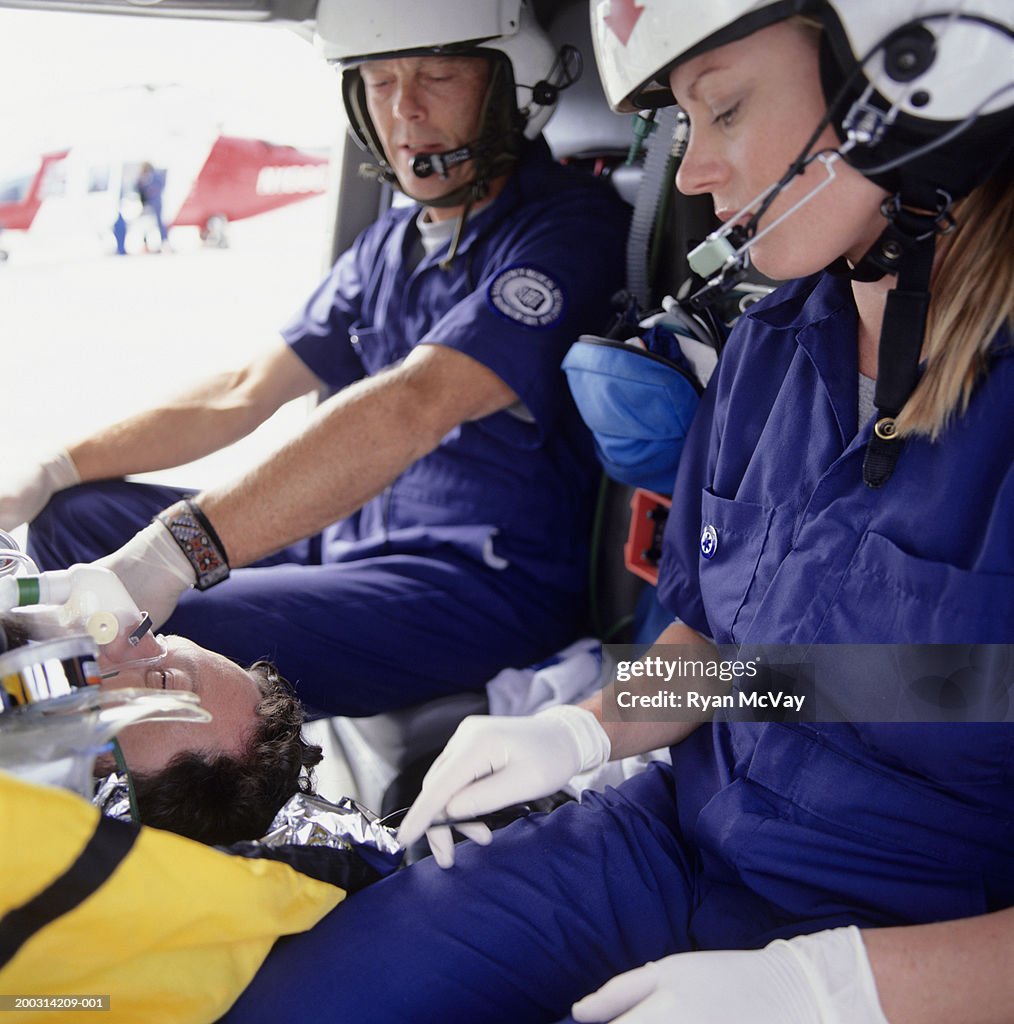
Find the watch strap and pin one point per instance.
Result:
(197, 539)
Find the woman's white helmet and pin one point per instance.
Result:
(931, 67)
(349, 32)
(637, 43)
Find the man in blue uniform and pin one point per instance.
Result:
(446, 486)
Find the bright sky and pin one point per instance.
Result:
(59, 72)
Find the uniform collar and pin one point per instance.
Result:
(820, 313)
(800, 303)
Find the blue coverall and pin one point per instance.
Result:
(475, 558)
(757, 830)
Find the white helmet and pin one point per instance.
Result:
(637, 43)
(934, 67)
(349, 32)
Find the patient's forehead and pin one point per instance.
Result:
(229, 692)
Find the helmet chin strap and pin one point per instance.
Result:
(906, 248)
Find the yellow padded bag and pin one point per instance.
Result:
(169, 929)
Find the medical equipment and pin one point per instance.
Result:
(85, 596)
(54, 719)
(53, 668)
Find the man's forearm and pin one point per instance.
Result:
(201, 420)
(344, 456)
(189, 428)
(356, 444)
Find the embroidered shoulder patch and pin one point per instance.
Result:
(526, 295)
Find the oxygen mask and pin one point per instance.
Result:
(61, 633)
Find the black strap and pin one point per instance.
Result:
(109, 844)
(198, 540)
(911, 242)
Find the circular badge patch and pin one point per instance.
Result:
(527, 296)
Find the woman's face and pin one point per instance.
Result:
(229, 692)
(753, 104)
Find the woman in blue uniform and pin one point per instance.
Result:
(848, 480)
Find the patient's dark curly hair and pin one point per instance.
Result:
(220, 798)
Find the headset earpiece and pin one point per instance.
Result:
(909, 53)
(545, 93)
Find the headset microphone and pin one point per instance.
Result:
(426, 164)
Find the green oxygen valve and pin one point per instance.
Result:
(643, 125)
(28, 590)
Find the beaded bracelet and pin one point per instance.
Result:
(197, 539)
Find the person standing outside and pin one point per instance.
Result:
(150, 186)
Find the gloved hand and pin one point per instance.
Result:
(824, 978)
(493, 762)
(24, 496)
(153, 569)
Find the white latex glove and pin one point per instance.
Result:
(824, 978)
(492, 762)
(154, 570)
(25, 495)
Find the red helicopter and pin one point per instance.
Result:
(206, 187)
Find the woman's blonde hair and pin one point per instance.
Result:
(973, 298)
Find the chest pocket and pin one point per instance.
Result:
(376, 347)
(905, 599)
(739, 553)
